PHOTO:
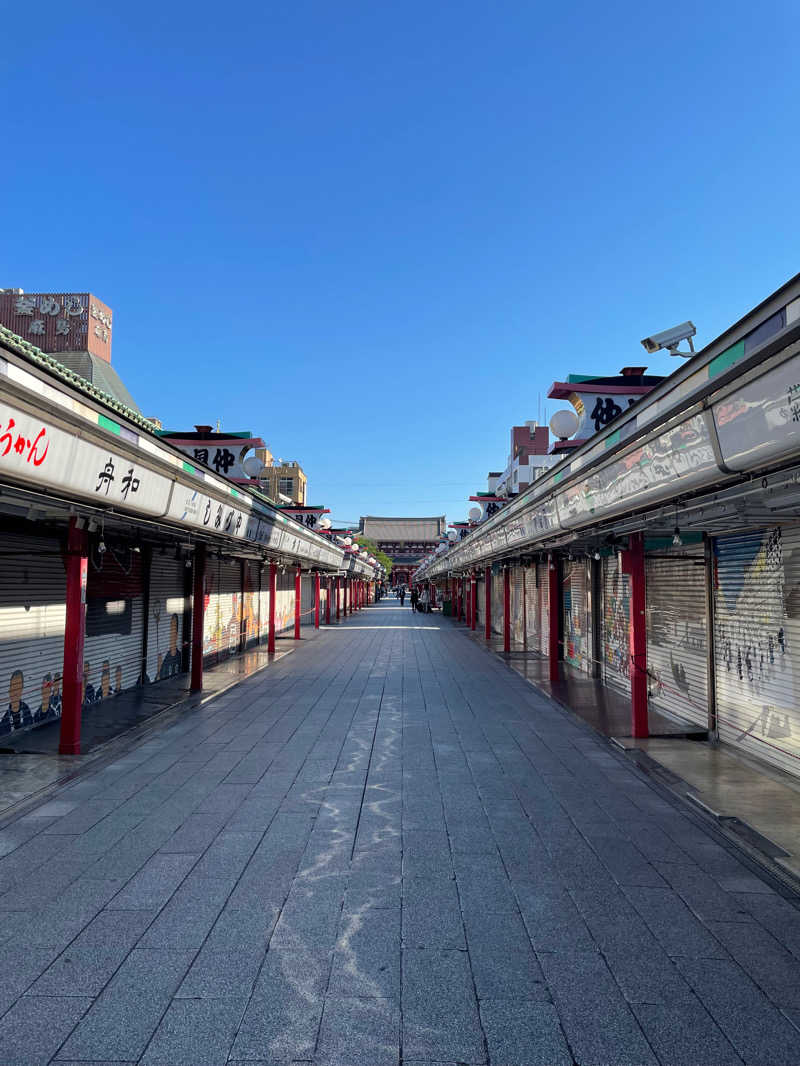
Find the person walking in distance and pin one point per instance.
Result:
(402, 595)
(414, 598)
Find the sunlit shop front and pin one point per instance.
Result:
(662, 558)
(122, 565)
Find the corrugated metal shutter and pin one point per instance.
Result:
(306, 600)
(212, 628)
(498, 596)
(165, 636)
(757, 643)
(251, 623)
(263, 604)
(230, 606)
(616, 625)
(114, 623)
(33, 591)
(577, 623)
(539, 610)
(677, 637)
(517, 579)
(480, 600)
(284, 602)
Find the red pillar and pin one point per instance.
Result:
(633, 564)
(554, 597)
(298, 602)
(473, 601)
(74, 633)
(329, 586)
(198, 616)
(487, 596)
(316, 601)
(337, 586)
(506, 609)
(273, 588)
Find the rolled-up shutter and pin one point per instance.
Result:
(577, 623)
(543, 605)
(33, 594)
(757, 643)
(677, 636)
(616, 625)
(165, 617)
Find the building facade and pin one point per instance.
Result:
(404, 540)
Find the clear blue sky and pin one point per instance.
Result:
(374, 233)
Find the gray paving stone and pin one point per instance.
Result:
(503, 962)
(32, 1031)
(432, 914)
(440, 1012)
(195, 1033)
(601, 1030)
(551, 918)
(359, 1032)
(366, 960)
(683, 1033)
(155, 882)
(673, 925)
(218, 974)
(761, 956)
(759, 1032)
(523, 1032)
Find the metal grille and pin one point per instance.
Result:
(165, 636)
(32, 618)
(616, 625)
(677, 634)
(480, 600)
(577, 623)
(498, 595)
(757, 643)
(517, 578)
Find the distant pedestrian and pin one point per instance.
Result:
(402, 595)
(424, 600)
(414, 598)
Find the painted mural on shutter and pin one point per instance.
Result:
(211, 615)
(251, 622)
(284, 602)
(165, 617)
(306, 600)
(230, 595)
(112, 652)
(677, 639)
(616, 625)
(757, 643)
(498, 579)
(577, 624)
(32, 619)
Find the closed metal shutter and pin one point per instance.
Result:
(577, 623)
(114, 623)
(284, 602)
(677, 635)
(757, 643)
(307, 600)
(323, 599)
(480, 600)
(165, 636)
(212, 629)
(616, 625)
(498, 596)
(517, 579)
(263, 604)
(251, 623)
(543, 590)
(230, 606)
(33, 592)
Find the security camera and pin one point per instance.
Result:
(671, 338)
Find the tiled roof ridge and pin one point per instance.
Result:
(36, 355)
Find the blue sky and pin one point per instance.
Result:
(375, 233)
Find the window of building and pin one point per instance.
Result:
(286, 485)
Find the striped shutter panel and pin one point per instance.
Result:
(165, 636)
(230, 605)
(115, 623)
(252, 602)
(677, 634)
(517, 606)
(307, 600)
(616, 625)
(543, 579)
(757, 643)
(211, 617)
(263, 604)
(498, 579)
(33, 593)
(577, 623)
(480, 600)
(284, 602)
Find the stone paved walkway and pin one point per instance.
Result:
(386, 847)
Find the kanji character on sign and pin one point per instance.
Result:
(62, 327)
(73, 306)
(224, 459)
(37, 327)
(106, 476)
(207, 515)
(24, 305)
(48, 305)
(129, 484)
(218, 519)
(201, 455)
